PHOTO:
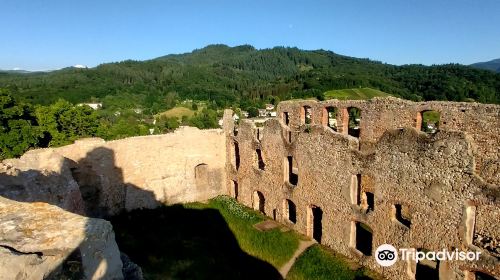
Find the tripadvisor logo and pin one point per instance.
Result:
(387, 255)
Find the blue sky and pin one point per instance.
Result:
(50, 34)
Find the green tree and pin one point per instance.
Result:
(122, 128)
(207, 118)
(18, 130)
(167, 124)
(171, 99)
(62, 122)
(253, 112)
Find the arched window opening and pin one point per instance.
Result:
(201, 175)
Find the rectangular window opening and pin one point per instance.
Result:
(370, 201)
(354, 121)
(236, 155)
(292, 172)
(286, 118)
(260, 162)
(306, 115)
(364, 239)
(428, 121)
(330, 117)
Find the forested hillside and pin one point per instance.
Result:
(492, 65)
(243, 76)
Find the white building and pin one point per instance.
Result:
(94, 106)
(269, 107)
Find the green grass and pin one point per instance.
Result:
(214, 240)
(318, 263)
(178, 112)
(274, 246)
(217, 240)
(354, 94)
(431, 117)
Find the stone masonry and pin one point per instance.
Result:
(39, 236)
(392, 184)
(141, 172)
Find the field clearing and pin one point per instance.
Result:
(355, 94)
(178, 112)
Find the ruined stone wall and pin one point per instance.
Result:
(97, 179)
(143, 171)
(184, 166)
(408, 188)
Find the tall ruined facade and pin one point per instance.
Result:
(354, 181)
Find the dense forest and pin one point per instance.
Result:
(244, 76)
(39, 109)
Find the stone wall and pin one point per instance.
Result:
(394, 184)
(184, 166)
(143, 171)
(98, 179)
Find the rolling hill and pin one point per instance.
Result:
(245, 76)
(492, 65)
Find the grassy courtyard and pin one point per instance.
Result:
(274, 246)
(218, 240)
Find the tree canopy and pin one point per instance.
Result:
(247, 77)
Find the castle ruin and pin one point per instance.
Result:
(350, 174)
(382, 181)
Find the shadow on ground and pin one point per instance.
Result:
(173, 242)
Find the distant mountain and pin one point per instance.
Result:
(22, 71)
(247, 77)
(15, 71)
(492, 65)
